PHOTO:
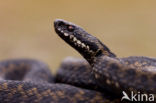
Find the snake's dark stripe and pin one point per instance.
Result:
(111, 73)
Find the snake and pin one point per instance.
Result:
(27, 80)
(130, 74)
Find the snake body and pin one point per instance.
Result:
(30, 81)
(137, 74)
(31, 92)
(77, 72)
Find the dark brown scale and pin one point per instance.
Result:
(30, 81)
(31, 92)
(119, 76)
(115, 74)
(78, 72)
(140, 61)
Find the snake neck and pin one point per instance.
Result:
(87, 45)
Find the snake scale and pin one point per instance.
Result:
(30, 81)
(100, 80)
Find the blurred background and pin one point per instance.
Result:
(127, 27)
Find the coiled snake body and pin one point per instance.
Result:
(101, 80)
(30, 81)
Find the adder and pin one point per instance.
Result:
(25, 80)
(134, 73)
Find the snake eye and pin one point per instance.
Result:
(71, 28)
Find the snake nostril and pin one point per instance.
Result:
(60, 23)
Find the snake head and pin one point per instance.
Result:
(87, 45)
